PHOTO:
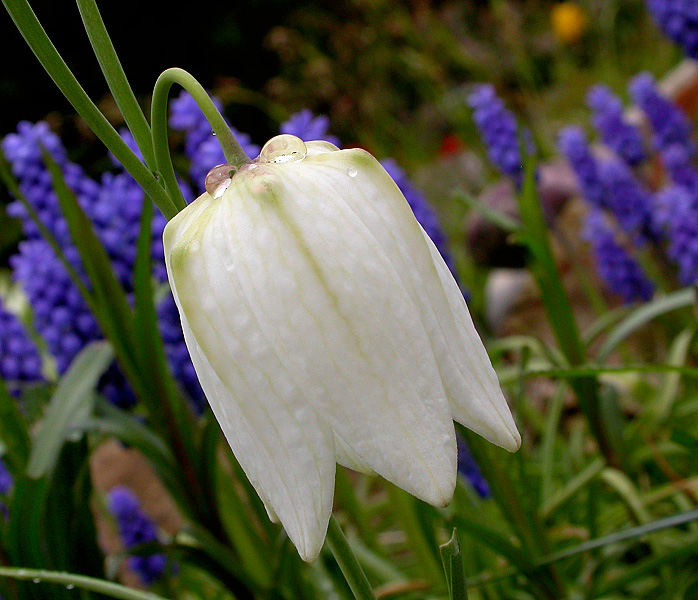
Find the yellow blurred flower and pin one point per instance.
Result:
(569, 22)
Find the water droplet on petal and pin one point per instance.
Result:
(70, 586)
(352, 172)
(283, 149)
(218, 179)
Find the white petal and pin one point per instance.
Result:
(468, 377)
(475, 370)
(335, 314)
(346, 457)
(286, 451)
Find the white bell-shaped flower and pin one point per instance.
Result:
(325, 327)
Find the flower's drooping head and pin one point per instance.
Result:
(325, 327)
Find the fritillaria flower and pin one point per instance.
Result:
(326, 328)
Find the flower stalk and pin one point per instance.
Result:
(233, 151)
(34, 34)
(116, 79)
(351, 569)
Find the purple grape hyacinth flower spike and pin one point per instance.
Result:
(616, 267)
(135, 529)
(498, 129)
(669, 125)
(678, 19)
(619, 135)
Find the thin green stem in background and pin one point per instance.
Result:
(561, 317)
(116, 79)
(72, 580)
(233, 151)
(347, 562)
(35, 36)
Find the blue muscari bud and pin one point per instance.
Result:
(630, 203)
(678, 19)
(6, 483)
(19, 358)
(114, 205)
(200, 145)
(136, 528)
(679, 215)
(670, 126)
(468, 468)
(61, 316)
(498, 129)
(23, 151)
(6, 480)
(308, 127)
(573, 144)
(680, 168)
(617, 268)
(619, 135)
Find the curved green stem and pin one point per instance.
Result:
(353, 573)
(71, 580)
(35, 36)
(116, 79)
(234, 154)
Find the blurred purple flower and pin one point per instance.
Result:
(573, 144)
(135, 529)
(23, 151)
(6, 480)
(627, 200)
(678, 208)
(114, 205)
(61, 316)
(176, 349)
(468, 468)
(6, 483)
(498, 129)
(680, 168)
(619, 135)
(200, 145)
(678, 19)
(308, 127)
(19, 358)
(669, 124)
(616, 267)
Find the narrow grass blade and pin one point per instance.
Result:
(72, 580)
(112, 309)
(34, 34)
(661, 406)
(538, 578)
(560, 315)
(13, 431)
(627, 534)
(116, 78)
(687, 552)
(641, 316)
(495, 217)
(573, 486)
(71, 403)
